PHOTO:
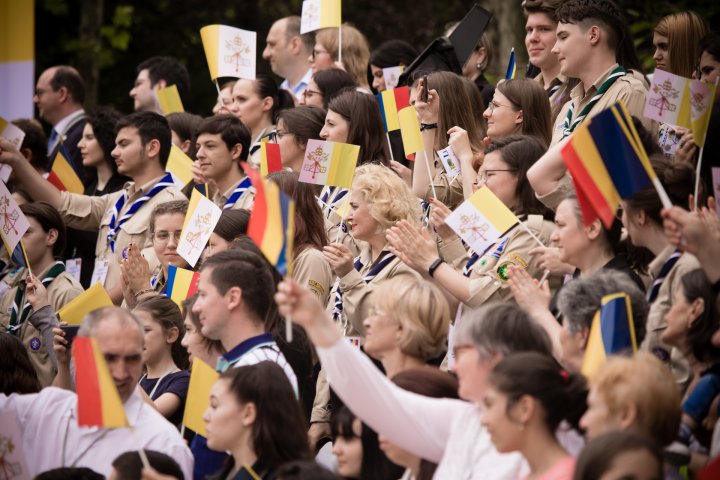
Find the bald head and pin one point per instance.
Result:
(60, 91)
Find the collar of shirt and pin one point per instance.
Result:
(245, 346)
(64, 125)
(220, 200)
(133, 406)
(579, 91)
(298, 89)
(133, 191)
(560, 78)
(657, 263)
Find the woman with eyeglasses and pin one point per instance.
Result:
(476, 278)
(166, 223)
(326, 85)
(295, 126)
(257, 104)
(355, 53)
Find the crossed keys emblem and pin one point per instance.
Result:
(665, 92)
(474, 228)
(238, 49)
(9, 219)
(317, 158)
(202, 223)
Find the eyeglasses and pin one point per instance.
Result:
(483, 175)
(307, 93)
(317, 52)
(163, 236)
(493, 105)
(276, 135)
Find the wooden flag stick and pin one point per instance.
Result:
(430, 175)
(217, 85)
(27, 262)
(387, 135)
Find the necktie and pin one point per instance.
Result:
(52, 140)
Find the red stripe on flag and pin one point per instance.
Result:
(402, 97)
(587, 189)
(193, 285)
(87, 383)
(55, 180)
(274, 162)
(259, 214)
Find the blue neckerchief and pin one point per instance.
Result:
(237, 193)
(237, 352)
(382, 263)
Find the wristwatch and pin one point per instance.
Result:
(434, 265)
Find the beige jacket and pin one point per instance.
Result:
(245, 201)
(311, 270)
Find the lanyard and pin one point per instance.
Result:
(16, 320)
(157, 384)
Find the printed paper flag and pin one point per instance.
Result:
(612, 332)
(329, 163)
(169, 100)
(410, 131)
(481, 220)
(181, 284)
(12, 456)
(391, 102)
(62, 174)
(272, 221)
(450, 162)
(230, 51)
(91, 299)
(682, 102)
(99, 403)
(200, 221)
(391, 75)
(17, 58)
(317, 14)
(607, 163)
(180, 165)
(202, 378)
(11, 132)
(512, 68)
(13, 223)
(269, 158)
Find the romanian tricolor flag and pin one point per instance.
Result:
(181, 284)
(481, 219)
(17, 58)
(317, 14)
(512, 67)
(607, 163)
(391, 102)
(272, 221)
(99, 403)
(62, 174)
(202, 378)
(269, 158)
(329, 163)
(612, 332)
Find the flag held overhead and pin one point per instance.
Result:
(230, 51)
(317, 14)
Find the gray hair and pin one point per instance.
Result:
(502, 328)
(92, 320)
(581, 298)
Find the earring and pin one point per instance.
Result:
(478, 66)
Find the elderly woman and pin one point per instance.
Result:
(408, 325)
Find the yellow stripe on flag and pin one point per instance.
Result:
(330, 13)
(202, 378)
(180, 165)
(595, 351)
(91, 299)
(496, 212)
(210, 36)
(195, 198)
(169, 99)
(410, 130)
(342, 164)
(274, 236)
(17, 36)
(390, 110)
(61, 167)
(583, 142)
(181, 285)
(290, 235)
(683, 117)
(113, 412)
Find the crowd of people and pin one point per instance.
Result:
(412, 356)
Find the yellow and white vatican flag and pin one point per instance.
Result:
(230, 51)
(17, 58)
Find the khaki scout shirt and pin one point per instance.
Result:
(311, 270)
(358, 296)
(245, 201)
(656, 323)
(90, 213)
(631, 88)
(333, 227)
(60, 292)
(488, 280)
(449, 189)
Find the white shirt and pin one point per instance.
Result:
(298, 89)
(53, 439)
(441, 430)
(64, 125)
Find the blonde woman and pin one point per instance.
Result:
(407, 326)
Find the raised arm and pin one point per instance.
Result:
(38, 188)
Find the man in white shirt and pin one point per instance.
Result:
(288, 53)
(59, 96)
(52, 437)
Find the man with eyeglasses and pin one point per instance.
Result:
(287, 51)
(222, 142)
